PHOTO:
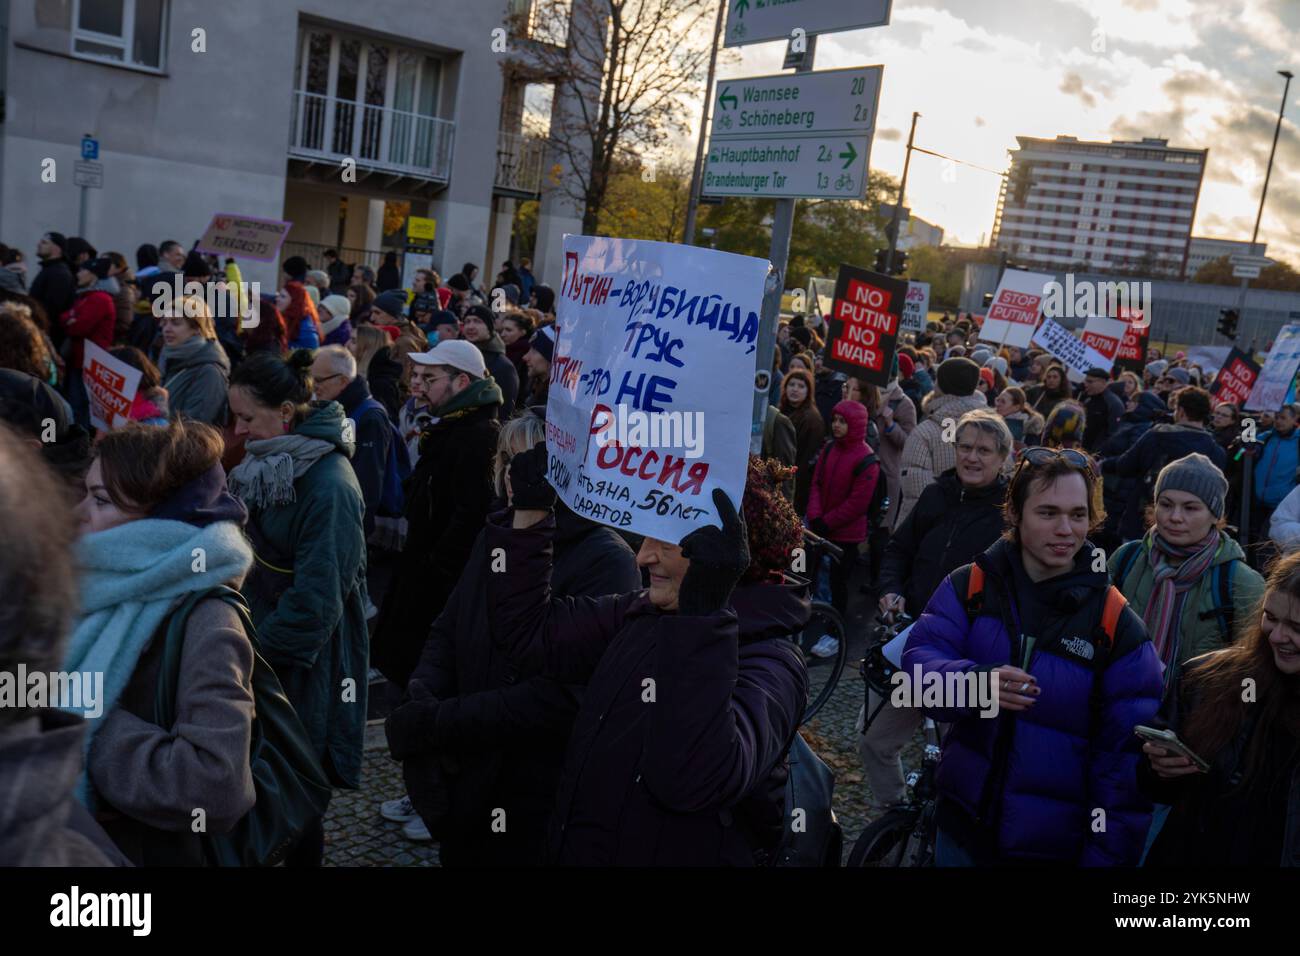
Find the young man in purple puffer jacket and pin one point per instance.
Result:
(1041, 769)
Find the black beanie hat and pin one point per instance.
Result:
(296, 268)
(543, 342)
(484, 313)
(958, 376)
(196, 266)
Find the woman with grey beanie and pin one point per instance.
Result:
(1186, 577)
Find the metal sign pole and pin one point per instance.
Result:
(783, 217)
(773, 288)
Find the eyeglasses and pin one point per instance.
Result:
(1037, 456)
(326, 378)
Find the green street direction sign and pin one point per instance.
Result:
(793, 135)
(756, 21)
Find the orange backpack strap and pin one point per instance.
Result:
(975, 587)
(1115, 604)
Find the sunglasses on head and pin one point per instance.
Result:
(1037, 455)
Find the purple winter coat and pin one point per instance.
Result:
(1025, 787)
(683, 717)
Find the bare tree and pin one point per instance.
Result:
(630, 67)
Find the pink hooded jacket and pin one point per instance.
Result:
(838, 496)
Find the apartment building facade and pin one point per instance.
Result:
(1068, 204)
(324, 113)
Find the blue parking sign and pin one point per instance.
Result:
(89, 148)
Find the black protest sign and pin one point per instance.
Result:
(864, 322)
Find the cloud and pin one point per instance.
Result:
(889, 134)
(1073, 85)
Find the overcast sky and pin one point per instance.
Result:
(1201, 73)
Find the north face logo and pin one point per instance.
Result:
(1078, 647)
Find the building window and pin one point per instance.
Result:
(128, 32)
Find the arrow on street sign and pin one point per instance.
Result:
(722, 99)
(741, 7)
(848, 156)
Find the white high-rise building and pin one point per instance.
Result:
(1099, 206)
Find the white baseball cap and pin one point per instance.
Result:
(457, 353)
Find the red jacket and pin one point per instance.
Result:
(838, 496)
(93, 316)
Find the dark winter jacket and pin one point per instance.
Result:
(41, 822)
(447, 499)
(1215, 822)
(841, 492)
(950, 525)
(828, 389)
(196, 375)
(515, 353)
(1025, 787)
(315, 634)
(54, 288)
(384, 377)
(1117, 490)
(683, 717)
(374, 438)
(503, 730)
(810, 435)
(1143, 461)
(1104, 412)
(503, 373)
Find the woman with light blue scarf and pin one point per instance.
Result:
(157, 526)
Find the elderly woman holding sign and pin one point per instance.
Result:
(693, 690)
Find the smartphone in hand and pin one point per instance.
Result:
(1169, 740)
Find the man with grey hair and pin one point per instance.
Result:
(41, 822)
(958, 516)
(334, 373)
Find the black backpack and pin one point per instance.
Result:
(292, 789)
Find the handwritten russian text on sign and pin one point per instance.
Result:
(917, 308)
(1278, 374)
(807, 134)
(1132, 355)
(1236, 378)
(244, 237)
(111, 385)
(651, 388)
(1069, 348)
(864, 321)
(1015, 308)
(754, 21)
(1104, 335)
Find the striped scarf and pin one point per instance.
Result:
(1169, 589)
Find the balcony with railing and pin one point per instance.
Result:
(380, 139)
(519, 165)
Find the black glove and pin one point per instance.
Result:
(529, 489)
(428, 786)
(410, 728)
(820, 528)
(718, 556)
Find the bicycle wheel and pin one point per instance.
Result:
(885, 842)
(823, 672)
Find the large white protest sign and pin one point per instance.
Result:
(916, 310)
(111, 386)
(1015, 308)
(651, 389)
(1069, 348)
(1278, 374)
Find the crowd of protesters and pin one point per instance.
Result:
(344, 482)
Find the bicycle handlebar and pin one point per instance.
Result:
(817, 541)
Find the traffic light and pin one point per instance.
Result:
(882, 261)
(899, 265)
(1228, 319)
